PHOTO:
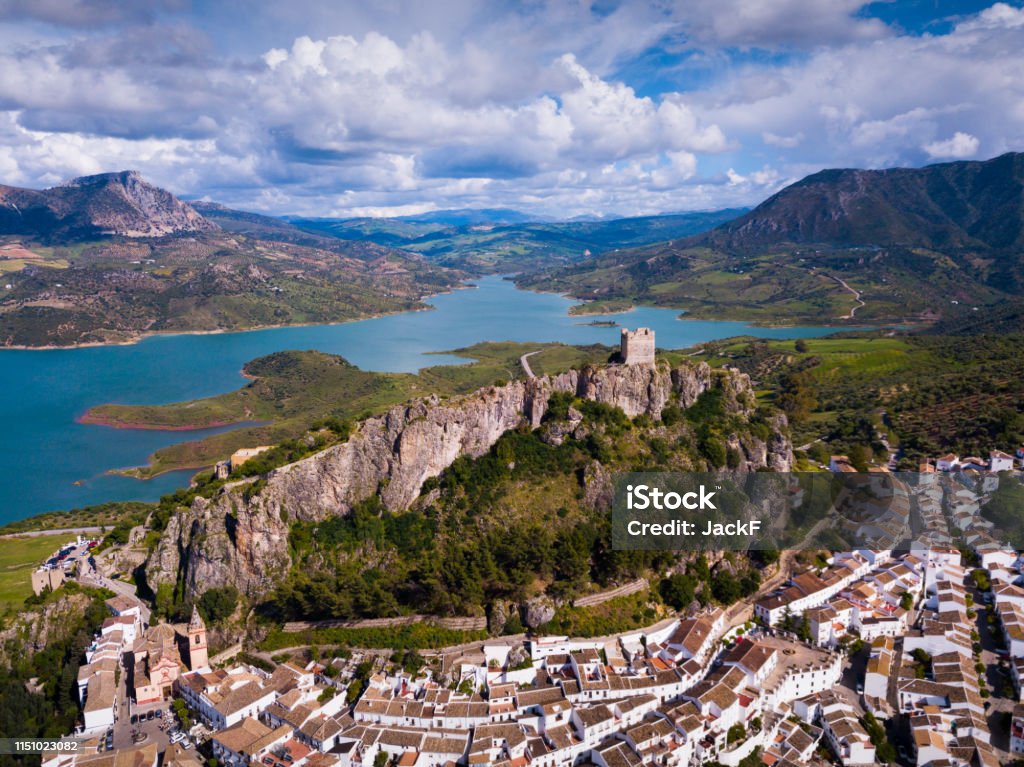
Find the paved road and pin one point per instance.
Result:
(118, 587)
(524, 361)
(57, 531)
(807, 445)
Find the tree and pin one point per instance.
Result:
(803, 631)
(906, 600)
(800, 346)
(725, 587)
(786, 624)
(860, 456)
(981, 579)
(326, 694)
(217, 603)
(712, 448)
(678, 590)
(181, 711)
(381, 759)
(884, 750)
(750, 582)
(795, 397)
(735, 734)
(355, 689)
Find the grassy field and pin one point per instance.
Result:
(18, 558)
(292, 390)
(937, 393)
(101, 515)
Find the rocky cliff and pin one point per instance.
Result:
(241, 536)
(108, 203)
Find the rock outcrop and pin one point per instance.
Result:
(240, 537)
(108, 203)
(32, 630)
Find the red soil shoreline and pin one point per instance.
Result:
(93, 419)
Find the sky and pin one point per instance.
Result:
(558, 109)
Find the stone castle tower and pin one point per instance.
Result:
(197, 648)
(637, 346)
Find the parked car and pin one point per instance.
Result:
(159, 714)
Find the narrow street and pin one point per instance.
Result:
(118, 587)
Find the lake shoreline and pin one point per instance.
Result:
(138, 338)
(579, 309)
(90, 418)
(576, 310)
(62, 461)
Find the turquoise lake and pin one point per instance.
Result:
(51, 462)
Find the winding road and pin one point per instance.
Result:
(856, 294)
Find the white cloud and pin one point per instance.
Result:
(392, 211)
(883, 102)
(960, 146)
(775, 23)
(369, 107)
(999, 15)
(784, 142)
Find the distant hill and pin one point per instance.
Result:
(946, 207)
(102, 259)
(840, 245)
(473, 216)
(271, 228)
(106, 204)
(494, 246)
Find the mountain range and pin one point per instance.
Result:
(487, 241)
(105, 256)
(903, 244)
(957, 206)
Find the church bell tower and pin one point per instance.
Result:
(197, 648)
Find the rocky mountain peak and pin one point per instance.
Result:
(121, 203)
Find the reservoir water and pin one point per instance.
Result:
(50, 462)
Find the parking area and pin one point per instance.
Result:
(153, 723)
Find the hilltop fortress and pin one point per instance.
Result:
(636, 347)
(240, 535)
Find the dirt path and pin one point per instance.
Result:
(856, 294)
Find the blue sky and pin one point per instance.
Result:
(556, 108)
